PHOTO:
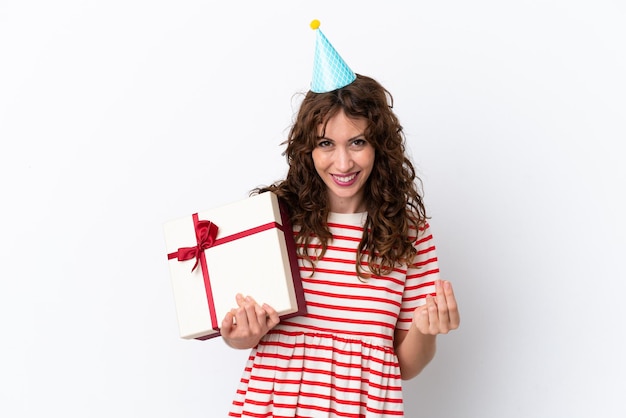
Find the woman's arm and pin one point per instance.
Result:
(416, 347)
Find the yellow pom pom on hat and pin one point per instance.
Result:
(330, 71)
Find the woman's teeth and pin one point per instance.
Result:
(345, 179)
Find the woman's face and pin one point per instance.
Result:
(344, 161)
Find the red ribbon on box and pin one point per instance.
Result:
(206, 233)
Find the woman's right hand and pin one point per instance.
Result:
(244, 326)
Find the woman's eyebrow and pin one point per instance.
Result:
(359, 136)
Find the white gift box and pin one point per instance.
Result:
(245, 247)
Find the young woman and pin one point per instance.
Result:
(374, 296)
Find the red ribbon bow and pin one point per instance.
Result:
(206, 231)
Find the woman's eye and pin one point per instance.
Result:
(324, 143)
(359, 142)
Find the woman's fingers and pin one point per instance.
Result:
(271, 316)
(259, 319)
(255, 316)
(433, 315)
(249, 319)
(245, 325)
(453, 309)
(442, 306)
(440, 313)
(227, 323)
(241, 318)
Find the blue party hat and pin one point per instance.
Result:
(330, 71)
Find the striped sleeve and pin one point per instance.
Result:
(420, 277)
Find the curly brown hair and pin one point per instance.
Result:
(393, 200)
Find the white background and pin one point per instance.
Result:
(118, 115)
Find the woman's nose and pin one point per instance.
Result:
(343, 160)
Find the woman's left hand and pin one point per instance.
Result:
(440, 314)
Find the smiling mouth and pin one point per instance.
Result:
(345, 180)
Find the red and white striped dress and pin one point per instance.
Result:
(338, 360)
